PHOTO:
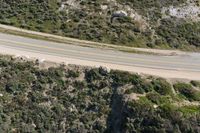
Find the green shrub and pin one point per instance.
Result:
(188, 91)
(120, 77)
(189, 110)
(195, 83)
(158, 99)
(140, 87)
(72, 74)
(92, 75)
(162, 86)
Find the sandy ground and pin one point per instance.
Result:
(139, 70)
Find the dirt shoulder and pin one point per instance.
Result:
(60, 39)
(170, 74)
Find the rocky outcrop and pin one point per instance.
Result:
(187, 11)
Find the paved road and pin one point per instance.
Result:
(183, 66)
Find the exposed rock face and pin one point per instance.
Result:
(120, 14)
(187, 11)
(69, 4)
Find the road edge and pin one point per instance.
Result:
(60, 39)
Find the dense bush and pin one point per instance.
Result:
(162, 86)
(179, 35)
(89, 21)
(140, 116)
(80, 99)
(195, 83)
(158, 99)
(188, 91)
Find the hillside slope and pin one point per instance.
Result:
(47, 97)
(141, 23)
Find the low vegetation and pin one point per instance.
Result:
(139, 23)
(195, 83)
(34, 98)
(187, 91)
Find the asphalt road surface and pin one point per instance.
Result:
(180, 66)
